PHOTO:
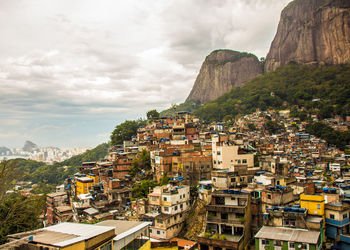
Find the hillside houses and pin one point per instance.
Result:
(252, 182)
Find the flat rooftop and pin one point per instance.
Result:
(65, 234)
(288, 234)
(120, 226)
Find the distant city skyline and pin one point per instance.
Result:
(71, 71)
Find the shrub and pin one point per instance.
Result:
(223, 237)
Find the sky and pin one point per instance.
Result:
(70, 71)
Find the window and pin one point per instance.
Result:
(181, 206)
(165, 199)
(154, 198)
(219, 153)
(214, 161)
(265, 242)
(233, 179)
(183, 196)
(159, 222)
(278, 243)
(166, 209)
(175, 208)
(239, 161)
(345, 216)
(301, 245)
(318, 206)
(291, 245)
(214, 179)
(331, 216)
(158, 232)
(244, 161)
(241, 179)
(269, 196)
(233, 198)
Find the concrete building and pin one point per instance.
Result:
(337, 224)
(172, 204)
(226, 156)
(228, 221)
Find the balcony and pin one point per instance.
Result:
(337, 222)
(225, 209)
(345, 238)
(225, 241)
(224, 221)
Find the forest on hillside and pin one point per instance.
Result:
(323, 90)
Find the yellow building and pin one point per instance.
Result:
(93, 177)
(67, 236)
(83, 185)
(313, 203)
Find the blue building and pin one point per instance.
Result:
(338, 224)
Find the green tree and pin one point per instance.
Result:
(164, 180)
(125, 131)
(251, 126)
(142, 161)
(17, 213)
(152, 115)
(272, 126)
(9, 172)
(142, 189)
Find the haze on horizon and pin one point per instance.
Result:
(70, 71)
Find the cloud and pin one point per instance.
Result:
(67, 62)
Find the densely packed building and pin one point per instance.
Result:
(285, 189)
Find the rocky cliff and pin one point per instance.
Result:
(221, 71)
(312, 32)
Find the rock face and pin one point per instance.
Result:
(30, 146)
(312, 32)
(221, 71)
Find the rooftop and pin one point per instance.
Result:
(52, 195)
(84, 179)
(124, 228)
(64, 234)
(288, 234)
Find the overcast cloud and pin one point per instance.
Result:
(72, 70)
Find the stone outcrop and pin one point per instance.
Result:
(312, 32)
(221, 71)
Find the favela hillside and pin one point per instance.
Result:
(257, 156)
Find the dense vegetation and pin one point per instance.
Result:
(322, 90)
(141, 163)
(17, 213)
(338, 138)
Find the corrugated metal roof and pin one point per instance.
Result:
(288, 234)
(82, 231)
